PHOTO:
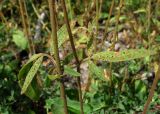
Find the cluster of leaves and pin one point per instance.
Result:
(109, 90)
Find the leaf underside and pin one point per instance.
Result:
(33, 91)
(31, 74)
(124, 55)
(68, 70)
(95, 71)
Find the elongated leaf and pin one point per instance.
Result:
(96, 71)
(68, 70)
(73, 106)
(56, 106)
(34, 57)
(124, 55)
(31, 74)
(54, 77)
(141, 10)
(33, 91)
(62, 35)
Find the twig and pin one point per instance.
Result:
(56, 52)
(74, 52)
(107, 22)
(149, 21)
(97, 26)
(25, 24)
(117, 21)
(151, 93)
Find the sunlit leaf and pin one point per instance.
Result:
(62, 35)
(124, 55)
(54, 77)
(140, 89)
(34, 57)
(74, 107)
(121, 18)
(157, 38)
(96, 71)
(142, 10)
(19, 39)
(31, 74)
(70, 71)
(56, 105)
(33, 91)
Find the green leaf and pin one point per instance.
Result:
(124, 55)
(140, 89)
(54, 77)
(31, 74)
(30, 112)
(142, 10)
(62, 35)
(69, 71)
(74, 107)
(120, 106)
(56, 106)
(96, 71)
(139, 86)
(19, 39)
(157, 38)
(33, 91)
(34, 57)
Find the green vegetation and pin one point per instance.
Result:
(79, 56)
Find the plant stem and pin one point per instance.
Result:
(25, 24)
(85, 5)
(56, 52)
(149, 22)
(100, 6)
(74, 52)
(151, 93)
(97, 26)
(107, 22)
(3, 18)
(117, 20)
(70, 9)
(157, 8)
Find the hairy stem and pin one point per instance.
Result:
(25, 23)
(117, 20)
(107, 22)
(56, 52)
(151, 93)
(74, 52)
(149, 21)
(97, 26)
(157, 8)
